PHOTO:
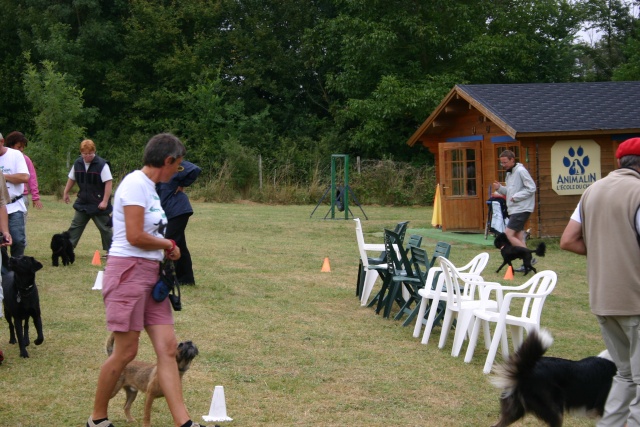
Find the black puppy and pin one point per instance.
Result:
(21, 300)
(547, 387)
(510, 253)
(61, 247)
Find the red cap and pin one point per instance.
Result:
(630, 147)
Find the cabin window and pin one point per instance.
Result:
(463, 171)
(500, 172)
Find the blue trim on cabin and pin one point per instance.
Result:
(465, 138)
(499, 139)
(624, 136)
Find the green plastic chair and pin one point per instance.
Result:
(399, 274)
(442, 249)
(400, 229)
(380, 263)
(414, 240)
(420, 263)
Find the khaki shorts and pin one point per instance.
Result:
(126, 290)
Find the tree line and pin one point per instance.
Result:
(293, 81)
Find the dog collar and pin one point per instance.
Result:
(25, 293)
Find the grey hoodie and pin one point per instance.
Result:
(521, 188)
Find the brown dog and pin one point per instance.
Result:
(142, 376)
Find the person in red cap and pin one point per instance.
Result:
(605, 227)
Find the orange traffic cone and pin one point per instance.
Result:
(96, 259)
(326, 268)
(509, 274)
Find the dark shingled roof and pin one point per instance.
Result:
(561, 107)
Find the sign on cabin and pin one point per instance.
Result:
(575, 165)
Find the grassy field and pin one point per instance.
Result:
(290, 344)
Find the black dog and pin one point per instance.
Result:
(511, 253)
(61, 247)
(547, 387)
(21, 300)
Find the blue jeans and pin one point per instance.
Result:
(18, 233)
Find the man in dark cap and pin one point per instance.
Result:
(605, 227)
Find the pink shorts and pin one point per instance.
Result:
(126, 290)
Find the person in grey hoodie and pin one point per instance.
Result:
(520, 193)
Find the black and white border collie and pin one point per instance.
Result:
(547, 387)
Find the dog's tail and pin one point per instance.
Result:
(108, 346)
(541, 249)
(522, 362)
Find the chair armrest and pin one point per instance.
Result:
(511, 295)
(374, 247)
(487, 287)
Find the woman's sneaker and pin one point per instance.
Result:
(105, 423)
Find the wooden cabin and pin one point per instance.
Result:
(565, 134)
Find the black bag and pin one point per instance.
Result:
(168, 285)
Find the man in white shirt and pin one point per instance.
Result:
(16, 174)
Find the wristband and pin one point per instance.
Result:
(173, 246)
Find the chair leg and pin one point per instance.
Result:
(505, 343)
(473, 340)
(392, 297)
(446, 325)
(370, 278)
(422, 304)
(384, 293)
(493, 349)
(406, 307)
(359, 280)
(440, 313)
(432, 315)
(462, 329)
(517, 335)
(374, 300)
(487, 334)
(414, 312)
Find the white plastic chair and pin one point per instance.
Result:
(475, 267)
(533, 293)
(464, 295)
(370, 274)
(371, 271)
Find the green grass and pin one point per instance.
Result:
(291, 345)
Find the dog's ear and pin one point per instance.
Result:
(497, 241)
(37, 265)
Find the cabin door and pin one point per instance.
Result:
(461, 185)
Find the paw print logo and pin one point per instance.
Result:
(576, 162)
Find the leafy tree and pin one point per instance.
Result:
(613, 21)
(386, 64)
(630, 70)
(14, 112)
(58, 114)
(524, 41)
(291, 80)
